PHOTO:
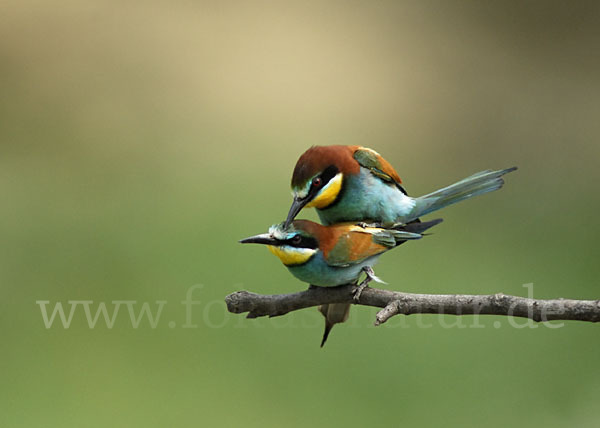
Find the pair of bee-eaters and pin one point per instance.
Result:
(365, 212)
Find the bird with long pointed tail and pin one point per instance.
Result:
(356, 185)
(328, 256)
(353, 183)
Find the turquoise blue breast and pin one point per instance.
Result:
(317, 272)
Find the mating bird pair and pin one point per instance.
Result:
(365, 212)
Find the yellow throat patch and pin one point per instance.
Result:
(328, 193)
(290, 256)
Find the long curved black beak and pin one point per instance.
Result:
(297, 205)
(264, 238)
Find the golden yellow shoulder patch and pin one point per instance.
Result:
(370, 230)
(290, 256)
(369, 150)
(328, 193)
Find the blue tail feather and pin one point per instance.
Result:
(477, 184)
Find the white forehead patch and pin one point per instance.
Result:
(276, 232)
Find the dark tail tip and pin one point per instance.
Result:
(328, 328)
(420, 227)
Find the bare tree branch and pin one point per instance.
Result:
(394, 303)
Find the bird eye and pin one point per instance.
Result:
(317, 181)
(296, 239)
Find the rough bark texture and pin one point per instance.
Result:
(394, 303)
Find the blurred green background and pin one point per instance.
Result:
(141, 140)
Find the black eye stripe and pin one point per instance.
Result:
(329, 172)
(304, 242)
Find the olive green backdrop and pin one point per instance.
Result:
(140, 140)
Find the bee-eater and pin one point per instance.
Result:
(327, 256)
(353, 183)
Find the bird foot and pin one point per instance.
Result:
(368, 270)
(359, 289)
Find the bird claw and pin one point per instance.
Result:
(359, 289)
(368, 270)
